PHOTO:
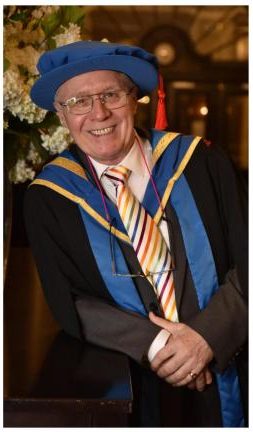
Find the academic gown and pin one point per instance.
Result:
(84, 308)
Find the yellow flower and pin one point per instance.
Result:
(12, 34)
(30, 36)
(27, 56)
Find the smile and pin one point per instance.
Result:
(99, 132)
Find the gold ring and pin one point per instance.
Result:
(193, 375)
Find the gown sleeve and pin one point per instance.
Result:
(73, 288)
(222, 204)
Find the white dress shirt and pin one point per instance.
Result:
(137, 182)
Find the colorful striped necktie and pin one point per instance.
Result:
(147, 240)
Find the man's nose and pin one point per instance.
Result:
(99, 110)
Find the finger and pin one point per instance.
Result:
(161, 322)
(192, 385)
(170, 368)
(183, 377)
(203, 379)
(195, 384)
(200, 382)
(179, 377)
(187, 380)
(208, 377)
(164, 354)
(176, 379)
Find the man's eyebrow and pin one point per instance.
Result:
(84, 93)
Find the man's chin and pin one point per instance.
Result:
(108, 158)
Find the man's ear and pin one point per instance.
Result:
(62, 119)
(60, 115)
(135, 106)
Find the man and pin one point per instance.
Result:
(123, 225)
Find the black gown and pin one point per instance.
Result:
(84, 308)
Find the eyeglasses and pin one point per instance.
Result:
(138, 274)
(84, 104)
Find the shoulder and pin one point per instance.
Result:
(41, 195)
(43, 204)
(210, 159)
(211, 172)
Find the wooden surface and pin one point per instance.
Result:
(50, 378)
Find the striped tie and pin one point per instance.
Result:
(147, 240)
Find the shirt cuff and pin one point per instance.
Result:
(158, 343)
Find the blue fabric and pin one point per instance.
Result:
(65, 62)
(122, 289)
(198, 249)
(203, 271)
(118, 390)
(81, 188)
(231, 405)
(164, 168)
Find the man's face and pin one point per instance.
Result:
(105, 135)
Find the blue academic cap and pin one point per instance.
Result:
(61, 64)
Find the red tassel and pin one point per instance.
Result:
(161, 117)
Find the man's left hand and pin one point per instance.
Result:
(185, 355)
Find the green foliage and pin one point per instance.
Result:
(50, 23)
(65, 15)
(22, 15)
(51, 43)
(74, 14)
(6, 64)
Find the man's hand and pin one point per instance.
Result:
(184, 358)
(203, 379)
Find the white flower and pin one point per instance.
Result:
(33, 156)
(70, 34)
(27, 110)
(17, 99)
(13, 88)
(43, 11)
(58, 141)
(37, 13)
(21, 172)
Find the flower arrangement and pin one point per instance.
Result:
(32, 135)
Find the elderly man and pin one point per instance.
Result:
(139, 239)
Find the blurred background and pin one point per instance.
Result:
(202, 52)
(203, 57)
